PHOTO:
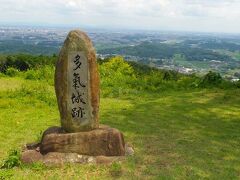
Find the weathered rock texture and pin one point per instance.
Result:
(99, 142)
(31, 156)
(77, 41)
(55, 158)
(101, 146)
(59, 159)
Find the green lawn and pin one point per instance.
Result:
(176, 135)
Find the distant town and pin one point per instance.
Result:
(184, 52)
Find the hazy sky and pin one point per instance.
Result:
(187, 15)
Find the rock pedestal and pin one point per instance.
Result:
(100, 146)
(99, 142)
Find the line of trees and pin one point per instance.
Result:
(117, 75)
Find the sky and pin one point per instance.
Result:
(174, 15)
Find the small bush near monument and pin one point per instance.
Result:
(13, 160)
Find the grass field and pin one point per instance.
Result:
(176, 135)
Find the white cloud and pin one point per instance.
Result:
(208, 15)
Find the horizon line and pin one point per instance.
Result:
(64, 26)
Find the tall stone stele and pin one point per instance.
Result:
(77, 84)
(79, 139)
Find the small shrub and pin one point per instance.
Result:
(237, 84)
(188, 82)
(12, 72)
(211, 79)
(12, 160)
(24, 62)
(166, 76)
(116, 74)
(225, 84)
(31, 75)
(43, 73)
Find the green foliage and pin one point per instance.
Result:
(211, 79)
(141, 68)
(23, 62)
(189, 82)
(237, 84)
(2, 75)
(117, 68)
(12, 160)
(12, 72)
(45, 73)
(20, 62)
(118, 77)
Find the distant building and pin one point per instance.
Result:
(235, 79)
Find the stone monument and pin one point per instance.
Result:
(77, 84)
(80, 138)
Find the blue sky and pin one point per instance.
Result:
(185, 15)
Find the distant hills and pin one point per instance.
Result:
(184, 52)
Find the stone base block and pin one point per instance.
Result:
(31, 156)
(59, 159)
(104, 141)
(100, 146)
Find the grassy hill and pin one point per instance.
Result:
(181, 127)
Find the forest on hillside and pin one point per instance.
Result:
(114, 71)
